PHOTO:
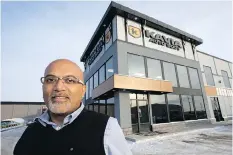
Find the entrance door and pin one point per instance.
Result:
(216, 109)
(140, 116)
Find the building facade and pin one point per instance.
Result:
(26, 110)
(150, 76)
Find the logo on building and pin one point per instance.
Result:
(107, 36)
(134, 31)
(162, 40)
(95, 52)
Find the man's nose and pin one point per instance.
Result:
(59, 86)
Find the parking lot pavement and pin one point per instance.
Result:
(207, 141)
(211, 141)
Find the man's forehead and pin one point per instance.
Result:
(63, 68)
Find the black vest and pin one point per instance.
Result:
(84, 136)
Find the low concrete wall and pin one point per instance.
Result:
(179, 126)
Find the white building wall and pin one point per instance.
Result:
(188, 51)
(222, 65)
(206, 60)
(218, 80)
(120, 28)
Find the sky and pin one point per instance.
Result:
(35, 33)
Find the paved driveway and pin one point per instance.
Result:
(211, 141)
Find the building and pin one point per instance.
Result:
(27, 110)
(150, 76)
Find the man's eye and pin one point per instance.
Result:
(69, 80)
(50, 80)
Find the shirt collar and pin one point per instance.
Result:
(44, 119)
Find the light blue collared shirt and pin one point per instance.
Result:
(114, 139)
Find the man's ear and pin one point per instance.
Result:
(84, 90)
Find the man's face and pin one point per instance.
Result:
(64, 95)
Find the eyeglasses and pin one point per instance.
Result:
(51, 79)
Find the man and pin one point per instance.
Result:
(66, 128)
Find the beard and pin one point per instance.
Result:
(59, 107)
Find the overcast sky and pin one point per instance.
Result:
(36, 33)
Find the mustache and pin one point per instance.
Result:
(59, 95)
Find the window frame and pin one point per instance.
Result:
(143, 58)
(186, 68)
(212, 76)
(226, 78)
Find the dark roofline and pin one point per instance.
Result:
(114, 9)
(214, 56)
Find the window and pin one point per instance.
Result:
(91, 86)
(90, 107)
(200, 107)
(102, 106)
(102, 74)
(96, 79)
(141, 96)
(183, 76)
(96, 108)
(189, 112)
(209, 76)
(195, 82)
(154, 69)
(136, 65)
(132, 96)
(110, 107)
(159, 109)
(170, 73)
(109, 68)
(87, 89)
(175, 108)
(226, 79)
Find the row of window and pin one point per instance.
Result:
(102, 106)
(156, 69)
(210, 79)
(172, 108)
(100, 76)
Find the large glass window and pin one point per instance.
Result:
(183, 76)
(200, 107)
(109, 68)
(87, 89)
(209, 76)
(102, 106)
(96, 106)
(189, 112)
(110, 107)
(226, 79)
(91, 86)
(90, 107)
(154, 69)
(170, 73)
(96, 79)
(136, 65)
(159, 109)
(102, 74)
(195, 82)
(175, 108)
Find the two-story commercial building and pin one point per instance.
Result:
(150, 76)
